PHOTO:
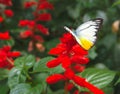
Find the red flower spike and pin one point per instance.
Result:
(79, 50)
(58, 50)
(92, 88)
(55, 78)
(79, 59)
(45, 5)
(66, 62)
(1, 19)
(69, 74)
(29, 4)
(5, 36)
(44, 17)
(42, 29)
(8, 13)
(79, 80)
(53, 63)
(69, 86)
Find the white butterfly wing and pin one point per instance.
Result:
(88, 29)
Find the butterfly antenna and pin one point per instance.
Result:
(66, 28)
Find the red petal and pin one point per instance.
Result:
(44, 17)
(53, 63)
(77, 49)
(92, 88)
(29, 4)
(55, 78)
(66, 62)
(69, 74)
(5, 36)
(78, 68)
(79, 59)
(45, 5)
(1, 19)
(8, 13)
(38, 38)
(14, 54)
(79, 80)
(42, 29)
(61, 48)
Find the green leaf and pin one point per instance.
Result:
(3, 74)
(10, 42)
(25, 62)
(116, 3)
(108, 90)
(52, 43)
(22, 88)
(36, 90)
(16, 76)
(92, 53)
(118, 81)
(4, 87)
(41, 66)
(98, 77)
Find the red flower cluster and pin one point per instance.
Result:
(6, 2)
(6, 57)
(4, 36)
(34, 25)
(72, 58)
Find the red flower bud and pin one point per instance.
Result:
(5, 36)
(8, 13)
(44, 17)
(53, 63)
(55, 78)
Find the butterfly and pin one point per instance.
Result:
(85, 34)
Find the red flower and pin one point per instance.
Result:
(55, 78)
(29, 4)
(44, 17)
(42, 29)
(6, 57)
(26, 34)
(23, 23)
(6, 2)
(45, 5)
(5, 36)
(8, 13)
(1, 19)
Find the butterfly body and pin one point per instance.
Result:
(85, 34)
